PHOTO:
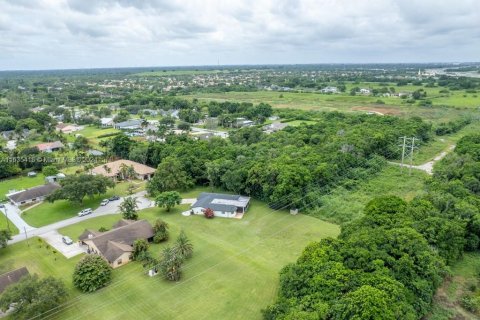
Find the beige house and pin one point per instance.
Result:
(116, 245)
(114, 170)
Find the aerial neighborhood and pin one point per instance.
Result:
(329, 191)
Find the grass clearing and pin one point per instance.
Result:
(343, 206)
(465, 273)
(47, 213)
(234, 261)
(442, 110)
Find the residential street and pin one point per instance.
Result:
(111, 208)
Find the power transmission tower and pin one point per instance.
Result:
(408, 148)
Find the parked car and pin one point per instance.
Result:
(113, 198)
(84, 212)
(67, 240)
(104, 202)
(2, 205)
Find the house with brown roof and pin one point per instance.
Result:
(114, 170)
(12, 277)
(116, 245)
(34, 194)
(50, 146)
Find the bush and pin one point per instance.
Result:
(209, 214)
(161, 231)
(91, 273)
(106, 135)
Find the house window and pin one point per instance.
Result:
(119, 261)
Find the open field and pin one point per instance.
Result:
(47, 213)
(233, 273)
(92, 133)
(343, 206)
(465, 273)
(459, 105)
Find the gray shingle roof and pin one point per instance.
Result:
(115, 242)
(221, 202)
(34, 193)
(12, 277)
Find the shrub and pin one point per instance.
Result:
(209, 214)
(91, 273)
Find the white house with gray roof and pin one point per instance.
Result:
(223, 205)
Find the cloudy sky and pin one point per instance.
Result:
(57, 34)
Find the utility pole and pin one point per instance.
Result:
(26, 237)
(411, 155)
(403, 151)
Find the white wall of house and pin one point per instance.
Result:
(223, 214)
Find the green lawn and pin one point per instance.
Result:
(7, 225)
(20, 183)
(342, 205)
(47, 213)
(233, 273)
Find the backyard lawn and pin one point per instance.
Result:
(47, 213)
(233, 273)
(20, 183)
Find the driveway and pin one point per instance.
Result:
(111, 208)
(13, 213)
(54, 239)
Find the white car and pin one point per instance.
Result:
(84, 212)
(67, 240)
(104, 202)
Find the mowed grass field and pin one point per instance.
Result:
(233, 273)
(444, 108)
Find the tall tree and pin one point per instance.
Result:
(160, 229)
(170, 175)
(33, 297)
(183, 246)
(129, 208)
(170, 264)
(76, 187)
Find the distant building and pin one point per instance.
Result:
(34, 194)
(116, 245)
(131, 124)
(95, 153)
(223, 205)
(106, 122)
(68, 128)
(50, 146)
(242, 122)
(55, 178)
(113, 170)
(329, 90)
(365, 91)
(274, 127)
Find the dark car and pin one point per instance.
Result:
(113, 198)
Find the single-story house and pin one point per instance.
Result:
(203, 135)
(113, 169)
(34, 194)
(131, 124)
(223, 205)
(106, 122)
(12, 277)
(116, 245)
(242, 122)
(55, 178)
(68, 128)
(50, 146)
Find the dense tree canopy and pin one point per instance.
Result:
(76, 187)
(91, 273)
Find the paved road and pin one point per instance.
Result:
(14, 215)
(110, 208)
(428, 166)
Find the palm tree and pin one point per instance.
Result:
(130, 172)
(129, 207)
(123, 171)
(183, 246)
(171, 264)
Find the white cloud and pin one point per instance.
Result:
(108, 33)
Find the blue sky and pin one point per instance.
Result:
(58, 34)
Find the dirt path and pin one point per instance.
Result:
(428, 166)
